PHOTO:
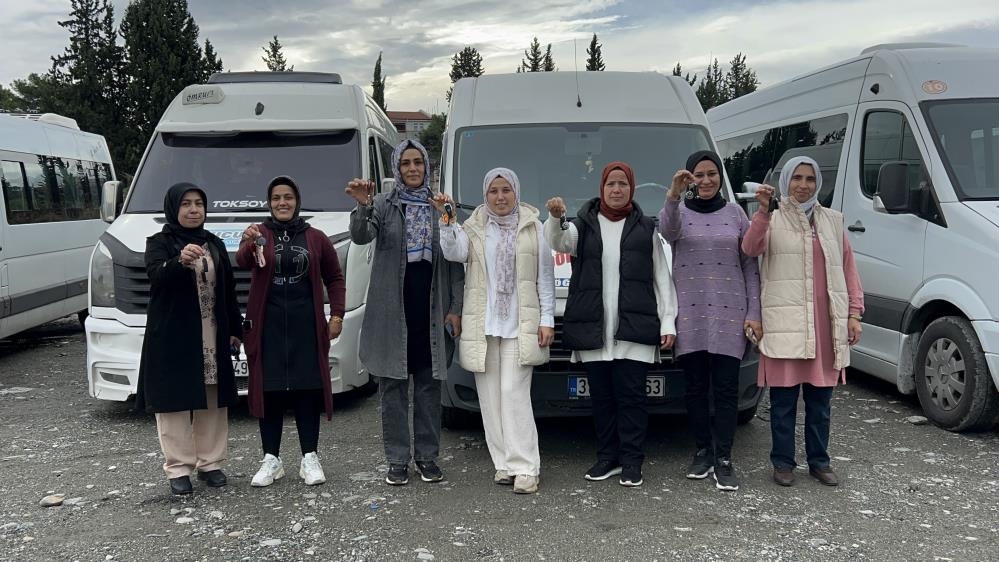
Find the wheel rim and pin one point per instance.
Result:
(944, 374)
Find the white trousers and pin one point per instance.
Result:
(507, 416)
(199, 442)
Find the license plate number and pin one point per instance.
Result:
(240, 368)
(655, 387)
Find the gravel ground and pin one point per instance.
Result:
(909, 492)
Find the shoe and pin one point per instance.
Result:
(213, 478)
(271, 469)
(602, 471)
(503, 478)
(702, 465)
(181, 486)
(725, 478)
(311, 471)
(429, 471)
(784, 476)
(824, 475)
(398, 475)
(525, 484)
(631, 476)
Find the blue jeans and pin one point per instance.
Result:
(783, 414)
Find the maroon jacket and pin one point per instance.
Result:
(327, 275)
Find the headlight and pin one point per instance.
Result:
(102, 277)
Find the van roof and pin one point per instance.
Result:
(50, 135)
(257, 76)
(567, 97)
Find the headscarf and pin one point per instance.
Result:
(785, 182)
(296, 224)
(171, 208)
(717, 202)
(419, 219)
(506, 249)
(605, 209)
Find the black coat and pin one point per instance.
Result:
(171, 370)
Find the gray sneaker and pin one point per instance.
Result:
(702, 465)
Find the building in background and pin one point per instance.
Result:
(409, 124)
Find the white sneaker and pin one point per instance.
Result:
(271, 469)
(525, 484)
(311, 471)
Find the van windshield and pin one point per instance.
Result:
(966, 133)
(567, 159)
(234, 169)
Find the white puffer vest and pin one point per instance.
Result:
(472, 348)
(787, 296)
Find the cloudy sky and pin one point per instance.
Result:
(780, 38)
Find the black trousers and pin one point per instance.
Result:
(620, 416)
(308, 408)
(710, 376)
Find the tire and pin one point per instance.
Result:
(952, 378)
(82, 317)
(456, 418)
(747, 415)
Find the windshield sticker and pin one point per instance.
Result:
(563, 269)
(235, 204)
(230, 237)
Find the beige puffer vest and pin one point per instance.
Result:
(787, 271)
(472, 348)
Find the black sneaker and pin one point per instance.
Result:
(213, 478)
(725, 478)
(631, 476)
(602, 471)
(702, 465)
(181, 486)
(429, 471)
(398, 475)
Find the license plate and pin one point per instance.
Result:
(655, 387)
(240, 368)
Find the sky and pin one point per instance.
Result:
(780, 39)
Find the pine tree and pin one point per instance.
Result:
(275, 58)
(534, 58)
(595, 59)
(211, 63)
(161, 42)
(740, 79)
(678, 71)
(466, 63)
(42, 93)
(712, 91)
(548, 64)
(378, 84)
(432, 137)
(10, 101)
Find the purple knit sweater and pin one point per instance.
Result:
(717, 286)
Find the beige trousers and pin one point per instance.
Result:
(201, 442)
(507, 415)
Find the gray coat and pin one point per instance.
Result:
(383, 331)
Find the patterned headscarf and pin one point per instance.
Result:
(419, 218)
(785, 182)
(506, 251)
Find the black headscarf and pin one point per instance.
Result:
(706, 205)
(171, 208)
(296, 224)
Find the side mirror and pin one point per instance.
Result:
(893, 195)
(109, 200)
(388, 184)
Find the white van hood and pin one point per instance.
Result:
(988, 209)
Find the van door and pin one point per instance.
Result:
(888, 248)
(4, 285)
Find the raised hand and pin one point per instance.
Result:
(438, 201)
(764, 194)
(556, 207)
(251, 233)
(681, 179)
(361, 191)
(190, 253)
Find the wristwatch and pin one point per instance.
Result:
(856, 317)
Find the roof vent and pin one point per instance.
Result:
(251, 77)
(50, 118)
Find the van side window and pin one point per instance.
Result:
(386, 149)
(14, 193)
(888, 138)
(51, 189)
(373, 171)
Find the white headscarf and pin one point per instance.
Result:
(785, 182)
(505, 275)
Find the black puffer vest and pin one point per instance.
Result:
(583, 322)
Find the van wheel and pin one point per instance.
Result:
(747, 415)
(952, 377)
(82, 317)
(456, 418)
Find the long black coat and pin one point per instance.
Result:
(171, 371)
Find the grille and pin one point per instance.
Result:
(131, 287)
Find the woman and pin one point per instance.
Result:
(620, 312)
(812, 306)
(718, 290)
(288, 340)
(193, 320)
(413, 310)
(509, 319)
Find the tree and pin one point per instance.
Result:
(10, 101)
(275, 58)
(740, 79)
(211, 63)
(677, 71)
(534, 58)
(595, 59)
(161, 43)
(466, 63)
(432, 137)
(41, 93)
(712, 91)
(548, 64)
(378, 84)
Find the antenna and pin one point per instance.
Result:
(575, 61)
